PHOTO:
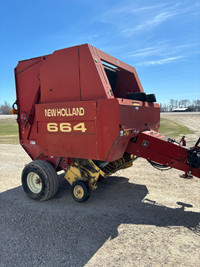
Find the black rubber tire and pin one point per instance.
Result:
(85, 189)
(151, 98)
(138, 96)
(48, 177)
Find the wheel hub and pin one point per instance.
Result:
(78, 192)
(37, 180)
(34, 182)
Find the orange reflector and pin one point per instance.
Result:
(126, 133)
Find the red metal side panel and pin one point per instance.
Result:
(92, 82)
(25, 64)
(59, 76)
(128, 82)
(139, 116)
(27, 86)
(110, 145)
(60, 133)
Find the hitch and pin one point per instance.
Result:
(194, 155)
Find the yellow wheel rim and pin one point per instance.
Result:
(78, 191)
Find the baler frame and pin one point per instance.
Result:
(85, 112)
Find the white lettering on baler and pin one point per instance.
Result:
(62, 112)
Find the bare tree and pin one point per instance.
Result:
(5, 109)
(163, 107)
(172, 104)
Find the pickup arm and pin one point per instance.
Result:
(157, 148)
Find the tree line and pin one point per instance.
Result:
(173, 104)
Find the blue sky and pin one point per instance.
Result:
(161, 39)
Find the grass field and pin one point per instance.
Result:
(9, 130)
(172, 129)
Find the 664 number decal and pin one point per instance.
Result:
(66, 127)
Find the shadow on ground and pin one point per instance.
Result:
(61, 232)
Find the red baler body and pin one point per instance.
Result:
(71, 86)
(72, 104)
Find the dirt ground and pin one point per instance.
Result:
(137, 217)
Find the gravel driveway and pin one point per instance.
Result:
(138, 217)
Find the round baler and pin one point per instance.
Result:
(85, 112)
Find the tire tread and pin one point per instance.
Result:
(50, 177)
